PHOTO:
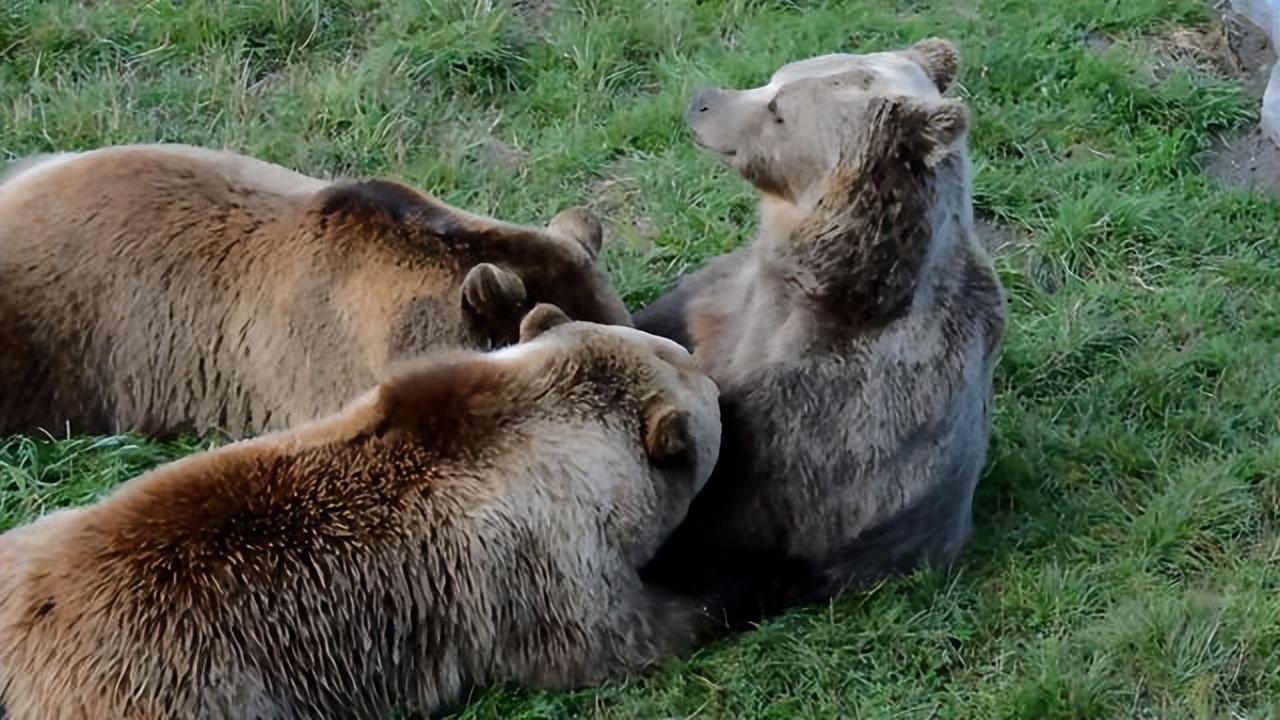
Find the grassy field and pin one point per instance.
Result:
(1126, 561)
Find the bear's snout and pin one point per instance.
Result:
(706, 100)
(706, 118)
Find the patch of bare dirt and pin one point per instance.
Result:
(1249, 49)
(1013, 247)
(1098, 42)
(1230, 48)
(503, 155)
(615, 197)
(535, 16)
(1205, 51)
(1250, 161)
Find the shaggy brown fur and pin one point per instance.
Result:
(167, 288)
(853, 341)
(476, 519)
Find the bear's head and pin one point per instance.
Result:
(501, 270)
(654, 399)
(817, 115)
(559, 269)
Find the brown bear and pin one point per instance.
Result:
(853, 341)
(475, 519)
(168, 289)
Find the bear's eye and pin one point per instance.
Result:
(773, 108)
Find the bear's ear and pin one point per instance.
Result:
(581, 227)
(945, 123)
(939, 59)
(540, 319)
(667, 437)
(929, 128)
(493, 293)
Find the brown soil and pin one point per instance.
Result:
(503, 155)
(1098, 42)
(1249, 48)
(536, 16)
(615, 197)
(1248, 160)
(1014, 248)
(1210, 50)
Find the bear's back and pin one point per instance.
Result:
(163, 289)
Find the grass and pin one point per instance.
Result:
(1126, 561)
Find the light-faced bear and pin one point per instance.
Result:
(477, 518)
(167, 288)
(853, 341)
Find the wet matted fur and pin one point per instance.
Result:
(853, 340)
(168, 289)
(474, 519)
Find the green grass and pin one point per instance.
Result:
(1126, 561)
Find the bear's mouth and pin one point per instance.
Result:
(697, 140)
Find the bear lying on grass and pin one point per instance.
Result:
(853, 341)
(171, 289)
(475, 519)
